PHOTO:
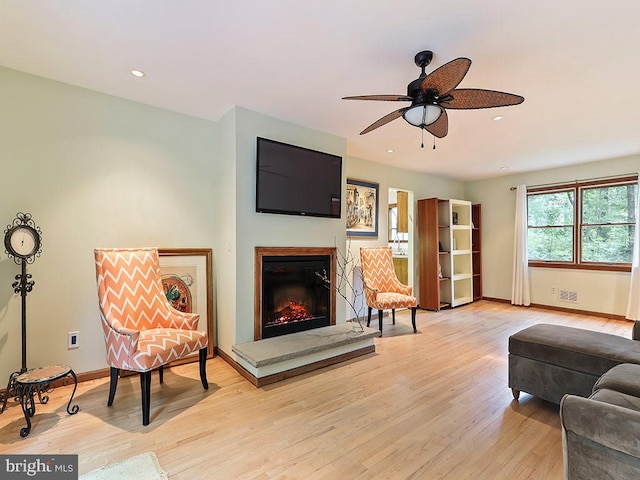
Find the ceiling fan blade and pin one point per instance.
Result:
(473, 98)
(384, 120)
(440, 127)
(384, 98)
(447, 77)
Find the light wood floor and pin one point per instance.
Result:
(424, 406)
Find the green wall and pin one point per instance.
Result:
(267, 230)
(100, 171)
(421, 184)
(598, 291)
(94, 171)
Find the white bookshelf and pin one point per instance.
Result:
(454, 217)
(446, 251)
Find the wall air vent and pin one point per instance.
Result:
(568, 296)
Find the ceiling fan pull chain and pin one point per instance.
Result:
(434, 142)
(422, 144)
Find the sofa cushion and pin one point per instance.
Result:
(624, 378)
(574, 348)
(617, 398)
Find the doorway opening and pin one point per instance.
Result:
(400, 233)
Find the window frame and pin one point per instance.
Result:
(578, 188)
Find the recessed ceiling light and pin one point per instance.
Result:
(137, 73)
(497, 117)
(504, 167)
(390, 150)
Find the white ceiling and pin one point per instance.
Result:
(574, 61)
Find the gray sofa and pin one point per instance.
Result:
(601, 434)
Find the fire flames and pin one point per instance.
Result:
(293, 312)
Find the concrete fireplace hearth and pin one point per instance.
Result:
(274, 359)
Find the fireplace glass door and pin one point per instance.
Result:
(294, 296)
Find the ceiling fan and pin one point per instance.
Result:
(431, 95)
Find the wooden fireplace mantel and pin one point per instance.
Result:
(286, 252)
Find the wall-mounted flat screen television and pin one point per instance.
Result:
(297, 181)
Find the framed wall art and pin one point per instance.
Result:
(362, 208)
(187, 278)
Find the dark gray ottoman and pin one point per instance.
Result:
(549, 361)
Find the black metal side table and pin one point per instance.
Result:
(36, 381)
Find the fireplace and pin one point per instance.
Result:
(290, 295)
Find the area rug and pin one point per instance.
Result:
(141, 467)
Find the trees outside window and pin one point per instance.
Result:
(584, 225)
(551, 222)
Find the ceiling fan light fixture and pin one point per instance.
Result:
(432, 95)
(422, 115)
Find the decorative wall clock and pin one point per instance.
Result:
(23, 239)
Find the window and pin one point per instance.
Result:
(584, 225)
(551, 221)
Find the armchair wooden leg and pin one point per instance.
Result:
(393, 315)
(145, 386)
(380, 315)
(161, 373)
(369, 316)
(113, 384)
(203, 368)
(413, 319)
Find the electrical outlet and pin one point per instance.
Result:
(73, 340)
(553, 290)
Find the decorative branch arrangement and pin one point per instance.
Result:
(345, 268)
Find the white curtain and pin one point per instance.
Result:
(520, 282)
(633, 307)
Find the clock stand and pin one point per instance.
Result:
(23, 243)
(23, 284)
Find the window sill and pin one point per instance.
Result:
(582, 266)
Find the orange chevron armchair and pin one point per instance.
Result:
(142, 331)
(382, 289)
